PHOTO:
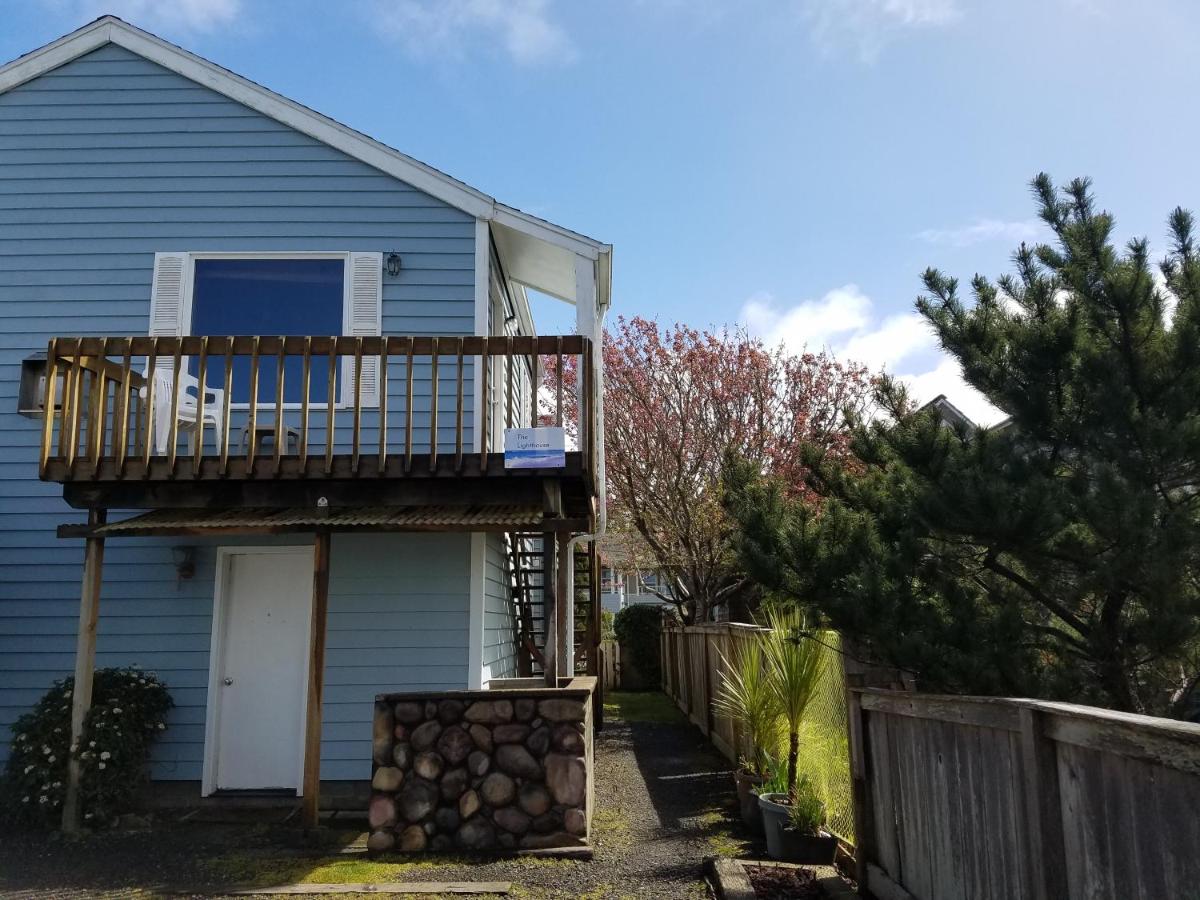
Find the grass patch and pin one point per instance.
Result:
(727, 844)
(721, 835)
(265, 871)
(642, 706)
(611, 827)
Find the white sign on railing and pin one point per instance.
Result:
(534, 448)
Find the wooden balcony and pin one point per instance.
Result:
(416, 438)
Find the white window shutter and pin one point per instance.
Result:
(364, 318)
(168, 295)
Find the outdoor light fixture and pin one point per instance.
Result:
(31, 393)
(185, 561)
(391, 264)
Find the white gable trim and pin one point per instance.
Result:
(110, 29)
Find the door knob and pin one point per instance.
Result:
(228, 681)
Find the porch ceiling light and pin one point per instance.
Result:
(391, 264)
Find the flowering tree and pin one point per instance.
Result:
(677, 403)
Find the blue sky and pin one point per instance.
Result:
(789, 165)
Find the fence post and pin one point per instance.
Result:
(663, 661)
(1043, 808)
(728, 651)
(708, 713)
(860, 785)
(685, 683)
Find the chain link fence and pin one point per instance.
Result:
(825, 742)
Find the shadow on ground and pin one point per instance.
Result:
(664, 802)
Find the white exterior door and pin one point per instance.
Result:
(258, 689)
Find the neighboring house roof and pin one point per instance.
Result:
(949, 413)
(954, 417)
(536, 252)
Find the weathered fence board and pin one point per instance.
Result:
(610, 653)
(1012, 799)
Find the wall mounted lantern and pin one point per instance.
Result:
(31, 393)
(185, 561)
(391, 264)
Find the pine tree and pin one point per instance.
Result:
(1057, 554)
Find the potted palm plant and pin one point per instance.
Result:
(803, 839)
(794, 666)
(747, 697)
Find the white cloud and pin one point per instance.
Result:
(845, 323)
(169, 15)
(982, 230)
(524, 29)
(867, 26)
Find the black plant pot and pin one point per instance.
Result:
(811, 849)
(747, 794)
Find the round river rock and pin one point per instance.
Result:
(497, 790)
(516, 760)
(417, 800)
(454, 744)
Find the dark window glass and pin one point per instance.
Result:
(269, 297)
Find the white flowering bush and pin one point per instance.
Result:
(129, 709)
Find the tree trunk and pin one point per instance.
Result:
(1111, 658)
(793, 760)
(1114, 679)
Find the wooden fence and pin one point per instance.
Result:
(692, 676)
(962, 797)
(610, 665)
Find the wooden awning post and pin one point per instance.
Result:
(316, 680)
(85, 666)
(550, 609)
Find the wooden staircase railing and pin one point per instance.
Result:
(527, 578)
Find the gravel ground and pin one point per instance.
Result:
(663, 803)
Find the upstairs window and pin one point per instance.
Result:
(270, 297)
(273, 294)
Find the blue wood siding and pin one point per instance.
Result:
(103, 162)
(499, 649)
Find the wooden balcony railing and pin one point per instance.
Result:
(101, 406)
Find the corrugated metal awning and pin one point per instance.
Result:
(370, 518)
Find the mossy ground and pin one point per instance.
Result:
(260, 871)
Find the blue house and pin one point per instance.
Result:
(260, 370)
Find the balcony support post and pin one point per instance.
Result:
(85, 667)
(316, 681)
(564, 637)
(549, 609)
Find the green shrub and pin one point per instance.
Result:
(129, 709)
(807, 814)
(776, 782)
(638, 628)
(606, 625)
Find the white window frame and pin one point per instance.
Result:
(344, 255)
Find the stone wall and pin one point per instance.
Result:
(507, 768)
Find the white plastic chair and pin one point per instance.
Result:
(186, 409)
